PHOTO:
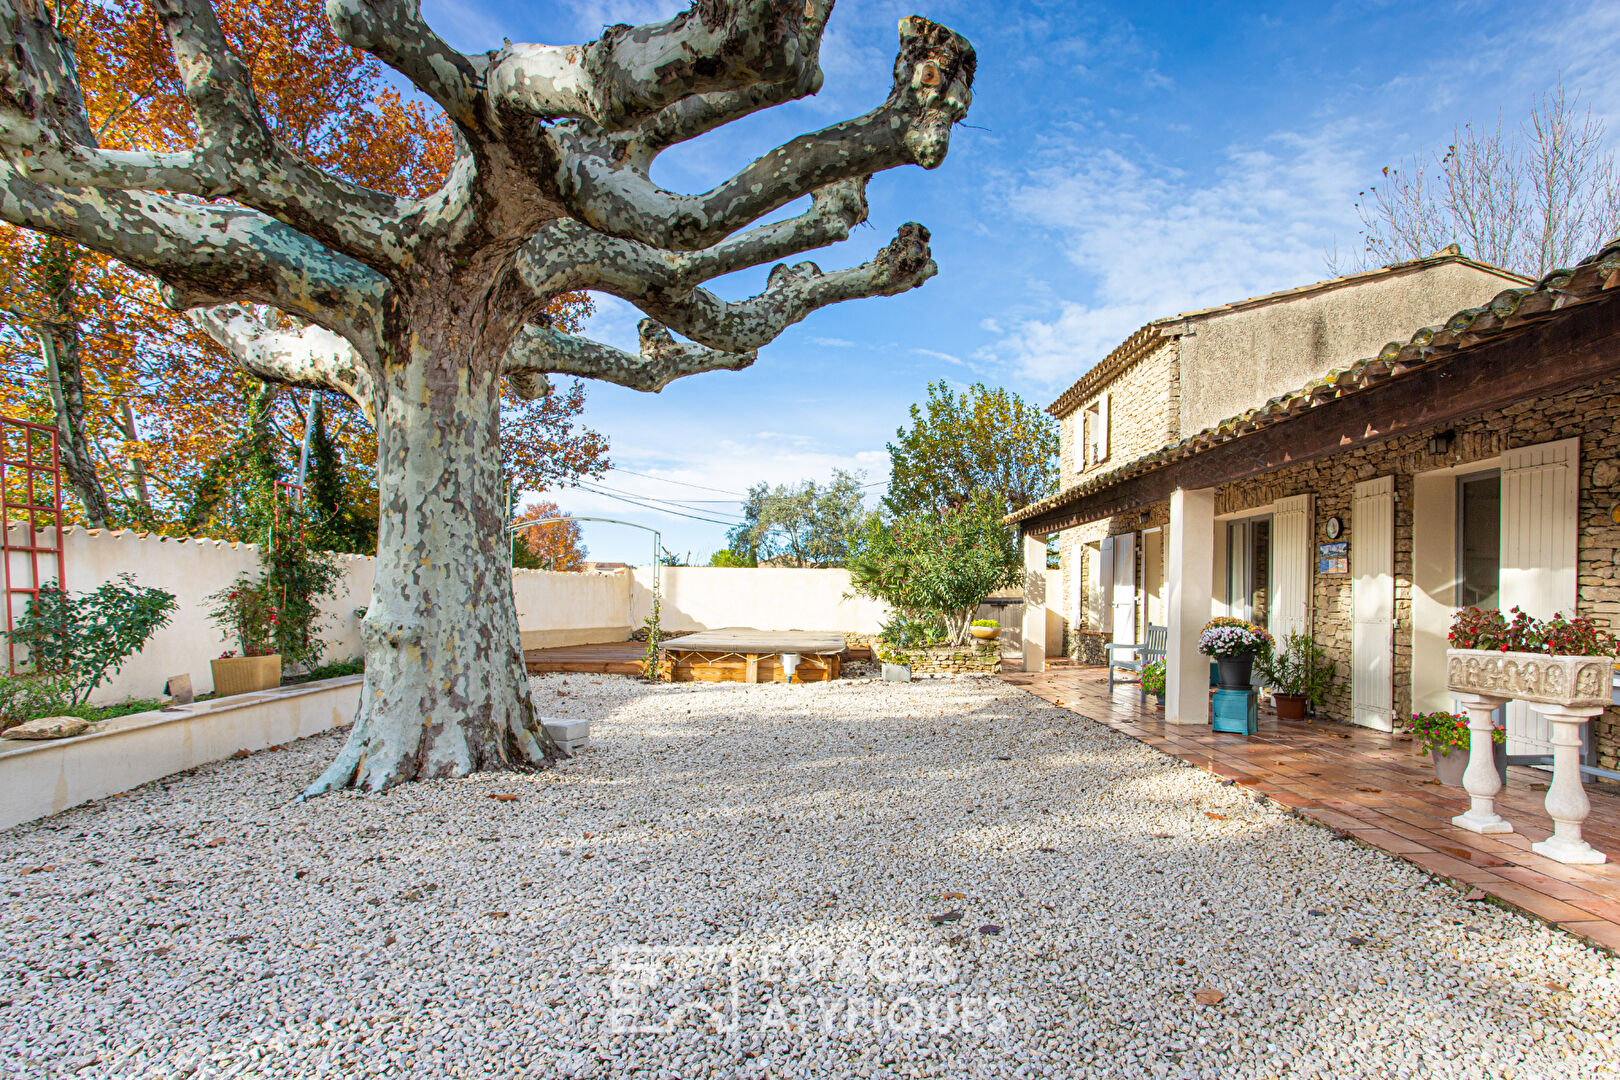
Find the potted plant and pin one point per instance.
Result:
(896, 664)
(985, 629)
(1153, 681)
(1298, 674)
(1445, 736)
(246, 613)
(1562, 662)
(1234, 644)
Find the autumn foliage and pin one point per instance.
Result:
(161, 412)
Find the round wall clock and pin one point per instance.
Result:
(1335, 528)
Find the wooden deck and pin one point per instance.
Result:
(621, 658)
(1371, 786)
(608, 658)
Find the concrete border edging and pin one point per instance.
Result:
(38, 779)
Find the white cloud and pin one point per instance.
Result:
(834, 343)
(945, 356)
(1150, 241)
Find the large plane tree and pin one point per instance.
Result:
(418, 308)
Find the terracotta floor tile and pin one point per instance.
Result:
(1371, 785)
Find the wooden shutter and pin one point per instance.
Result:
(1102, 599)
(1372, 600)
(1102, 427)
(1540, 545)
(1124, 592)
(1291, 555)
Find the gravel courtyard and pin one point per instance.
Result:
(949, 878)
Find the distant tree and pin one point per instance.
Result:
(940, 564)
(804, 526)
(1530, 200)
(343, 518)
(728, 557)
(980, 440)
(555, 545)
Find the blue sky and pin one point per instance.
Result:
(1126, 161)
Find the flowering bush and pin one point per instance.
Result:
(1226, 637)
(1153, 678)
(1488, 628)
(245, 611)
(1445, 731)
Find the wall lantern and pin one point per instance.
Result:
(1440, 443)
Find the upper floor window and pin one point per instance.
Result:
(1096, 433)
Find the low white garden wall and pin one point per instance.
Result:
(765, 598)
(42, 778)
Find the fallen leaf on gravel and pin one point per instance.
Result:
(240, 939)
(502, 797)
(1208, 996)
(1355, 939)
(497, 914)
(953, 896)
(1557, 986)
(239, 755)
(1047, 850)
(1474, 896)
(39, 869)
(389, 940)
(1213, 816)
(216, 841)
(945, 917)
(990, 928)
(161, 950)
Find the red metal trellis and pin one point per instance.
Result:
(29, 457)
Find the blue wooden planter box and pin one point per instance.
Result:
(1236, 712)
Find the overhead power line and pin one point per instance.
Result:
(655, 509)
(682, 483)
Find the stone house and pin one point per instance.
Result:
(1272, 459)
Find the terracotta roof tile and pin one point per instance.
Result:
(1508, 311)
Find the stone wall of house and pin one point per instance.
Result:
(1144, 403)
(1591, 413)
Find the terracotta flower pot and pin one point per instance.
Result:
(245, 674)
(1290, 706)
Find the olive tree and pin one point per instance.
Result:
(417, 308)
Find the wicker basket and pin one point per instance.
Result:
(245, 674)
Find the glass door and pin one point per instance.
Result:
(1248, 569)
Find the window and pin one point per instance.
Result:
(1248, 570)
(1479, 540)
(1096, 435)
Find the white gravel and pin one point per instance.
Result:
(802, 838)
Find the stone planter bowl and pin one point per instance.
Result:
(985, 633)
(1565, 681)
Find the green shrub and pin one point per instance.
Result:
(936, 564)
(1301, 668)
(83, 641)
(987, 622)
(354, 665)
(1153, 678)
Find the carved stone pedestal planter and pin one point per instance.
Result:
(1568, 690)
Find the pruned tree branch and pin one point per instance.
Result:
(208, 254)
(45, 133)
(303, 355)
(567, 255)
(932, 91)
(662, 360)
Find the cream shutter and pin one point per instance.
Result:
(1540, 544)
(1102, 427)
(1372, 600)
(1102, 602)
(1124, 598)
(1291, 534)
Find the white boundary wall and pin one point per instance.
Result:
(764, 598)
(553, 609)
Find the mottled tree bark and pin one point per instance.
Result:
(417, 309)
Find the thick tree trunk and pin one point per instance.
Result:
(446, 693)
